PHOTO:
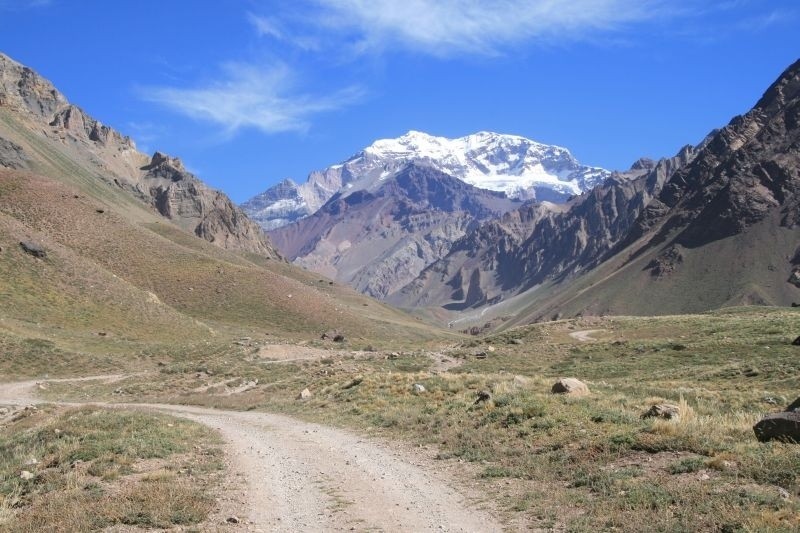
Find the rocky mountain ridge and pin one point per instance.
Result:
(716, 225)
(518, 167)
(379, 239)
(161, 181)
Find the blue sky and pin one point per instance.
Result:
(248, 92)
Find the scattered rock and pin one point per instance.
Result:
(392, 356)
(481, 354)
(355, 382)
(518, 342)
(101, 211)
(305, 394)
(232, 519)
(784, 494)
(750, 372)
(33, 249)
(332, 335)
(784, 427)
(32, 461)
(490, 349)
(795, 304)
(667, 411)
(571, 386)
(418, 388)
(796, 342)
(102, 333)
(483, 396)
(27, 476)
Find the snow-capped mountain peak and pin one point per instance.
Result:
(519, 167)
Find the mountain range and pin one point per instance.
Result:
(520, 168)
(487, 230)
(716, 225)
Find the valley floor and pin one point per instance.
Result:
(460, 436)
(302, 476)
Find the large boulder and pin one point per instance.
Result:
(794, 406)
(570, 386)
(784, 427)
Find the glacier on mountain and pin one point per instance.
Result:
(519, 167)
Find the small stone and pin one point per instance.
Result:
(33, 249)
(784, 494)
(518, 342)
(305, 394)
(232, 519)
(26, 475)
(666, 411)
(483, 396)
(418, 388)
(490, 349)
(32, 461)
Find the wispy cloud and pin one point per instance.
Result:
(265, 26)
(251, 96)
(274, 28)
(448, 27)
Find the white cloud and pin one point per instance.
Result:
(249, 96)
(274, 28)
(265, 26)
(446, 27)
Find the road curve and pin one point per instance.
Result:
(309, 477)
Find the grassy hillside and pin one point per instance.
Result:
(117, 285)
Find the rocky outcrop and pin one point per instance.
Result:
(12, 155)
(744, 171)
(179, 196)
(160, 181)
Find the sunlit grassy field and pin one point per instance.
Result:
(551, 461)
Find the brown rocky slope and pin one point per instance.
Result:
(41, 131)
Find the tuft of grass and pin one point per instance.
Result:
(95, 468)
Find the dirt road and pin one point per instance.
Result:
(309, 477)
